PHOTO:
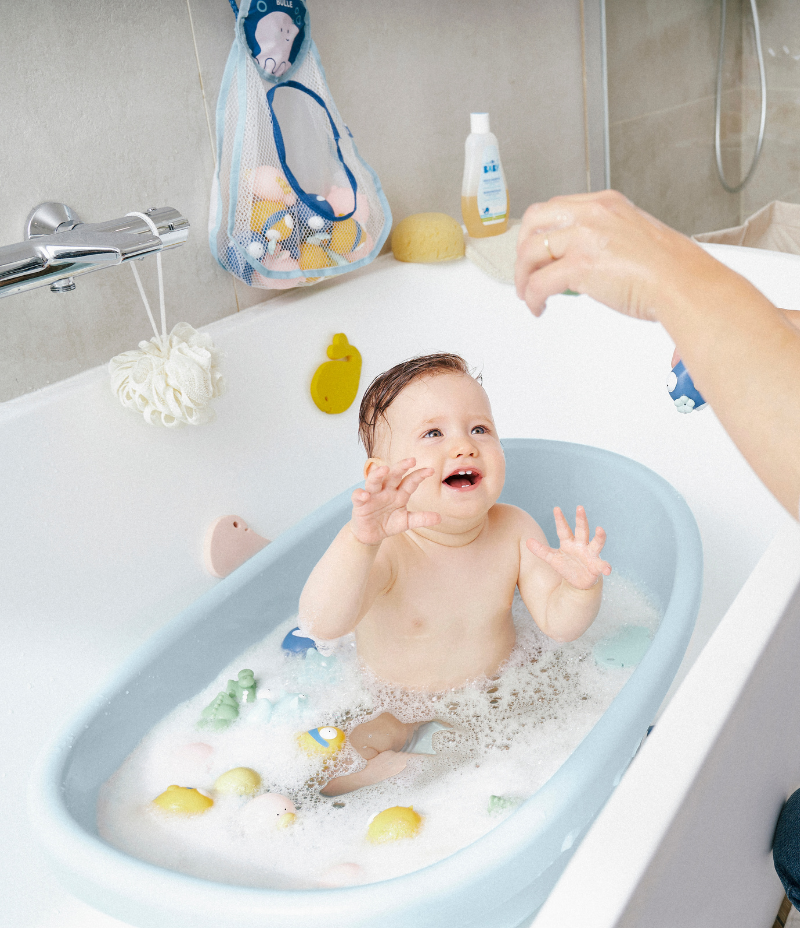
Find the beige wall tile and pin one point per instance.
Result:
(664, 162)
(405, 76)
(662, 55)
(102, 108)
(778, 169)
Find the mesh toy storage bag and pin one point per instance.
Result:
(292, 202)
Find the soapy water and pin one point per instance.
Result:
(507, 736)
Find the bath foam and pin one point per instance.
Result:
(507, 736)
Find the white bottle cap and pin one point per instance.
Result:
(479, 122)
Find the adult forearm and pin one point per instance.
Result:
(744, 357)
(332, 598)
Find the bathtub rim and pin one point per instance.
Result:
(498, 854)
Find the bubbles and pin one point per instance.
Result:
(505, 738)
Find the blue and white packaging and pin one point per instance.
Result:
(292, 202)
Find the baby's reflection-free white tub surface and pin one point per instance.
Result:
(105, 516)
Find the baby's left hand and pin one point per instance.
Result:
(577, 559)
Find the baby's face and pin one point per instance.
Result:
(445, 422)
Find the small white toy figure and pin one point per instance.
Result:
(275, 34)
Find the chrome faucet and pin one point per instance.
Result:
(58, 246)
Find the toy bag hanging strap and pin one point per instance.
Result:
(293, 201)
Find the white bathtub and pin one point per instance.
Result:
(105, 516)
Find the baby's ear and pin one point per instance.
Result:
(371, 464)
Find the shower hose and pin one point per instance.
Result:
(718, 104)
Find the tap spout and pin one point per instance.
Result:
(84, 247)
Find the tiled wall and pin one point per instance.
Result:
(662, 66)
(662, 61)
(777, 175)
(108, 105)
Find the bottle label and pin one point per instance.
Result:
(492, 199)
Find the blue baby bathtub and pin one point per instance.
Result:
(498, 881)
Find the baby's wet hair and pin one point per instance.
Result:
(386, 387)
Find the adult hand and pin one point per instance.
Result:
(602, 245)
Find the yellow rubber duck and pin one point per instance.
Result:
(335, 383)
(183, 800)
(394, 824)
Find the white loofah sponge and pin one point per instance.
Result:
(171, 380)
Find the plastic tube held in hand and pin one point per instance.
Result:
(683, 391)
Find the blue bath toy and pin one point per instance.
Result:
(683, 391)
(289, 707)
(318, 669)
(260, 713)
(296, 643)
(625, 649)
(421, 742)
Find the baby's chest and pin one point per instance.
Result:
(476, 585)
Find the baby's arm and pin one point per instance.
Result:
(354, 570)
(562, 588)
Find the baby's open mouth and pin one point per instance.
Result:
(463, 479)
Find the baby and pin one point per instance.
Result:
(425, 570)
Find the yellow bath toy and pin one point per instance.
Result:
(394, 824)
(328, 740)
(183, 800)
(335, 383)
(242, 781)
(346, 236)
(270, 215)
(314, 256)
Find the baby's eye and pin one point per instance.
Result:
(480, 430)
(433, 433)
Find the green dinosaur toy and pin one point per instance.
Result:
(222, 710)
(243, 689)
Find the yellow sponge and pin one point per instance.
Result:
(425, 238)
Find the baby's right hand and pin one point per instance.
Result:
(379, 510)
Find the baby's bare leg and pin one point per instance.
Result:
(384, 733)
(379, 742)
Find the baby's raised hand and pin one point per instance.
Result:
(578, 558)
(379, 510)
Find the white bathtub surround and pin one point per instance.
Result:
(686, 838)
(80, 594)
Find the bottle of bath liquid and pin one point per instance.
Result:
(484, 195)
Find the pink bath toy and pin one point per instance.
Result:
(341, 200)
(269, 810)
(270, 184)
(280, 261)
(228, 544)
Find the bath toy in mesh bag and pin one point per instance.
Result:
(292, 202)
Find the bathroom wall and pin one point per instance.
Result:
(777, 175)
(662, 65)
(108, 106)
